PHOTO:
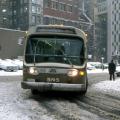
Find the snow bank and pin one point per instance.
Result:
(3, 73)
(98, 71)
(108, 85)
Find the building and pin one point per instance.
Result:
(107, 26)
(101, 28)
(64, 12)
(113, 29)
(11, 43)
(26, 13)
(23, 14)
(89, 11)
(5, 14)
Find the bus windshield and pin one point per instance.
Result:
(56, 49)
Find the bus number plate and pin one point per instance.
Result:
(57, 80)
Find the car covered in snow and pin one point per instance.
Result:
(90, 67)
(19, 63)
(97, 65)
(7, 65)
(118, 71)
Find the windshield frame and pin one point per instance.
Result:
(67, 57)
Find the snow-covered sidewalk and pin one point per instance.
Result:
(106, 86)
(3, 73)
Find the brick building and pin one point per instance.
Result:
(61, 12)
(26, 13)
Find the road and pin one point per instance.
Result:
(19, 104)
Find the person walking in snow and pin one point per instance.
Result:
(112, 69)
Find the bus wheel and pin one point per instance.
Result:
(34, 91)
(84, 92)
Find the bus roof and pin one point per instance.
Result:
(61, 29)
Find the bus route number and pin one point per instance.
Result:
(57, 80)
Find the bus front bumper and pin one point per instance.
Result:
(43, 86)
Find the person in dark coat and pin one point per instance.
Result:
(112, 69)
(60, 52)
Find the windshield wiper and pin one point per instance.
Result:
(67, 57)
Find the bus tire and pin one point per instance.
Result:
(34, 91)
(84, 92)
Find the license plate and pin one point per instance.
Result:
(56, 80)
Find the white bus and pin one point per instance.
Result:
(55, 59)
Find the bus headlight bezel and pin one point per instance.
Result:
(33, 71)
(72, 73)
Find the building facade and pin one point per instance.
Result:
(114, 29)
(61, 12)
(23, 14)
(5, 13)
(11, 43)
(107, 26)
(101, 27)
(89, 10)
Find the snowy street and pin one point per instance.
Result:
(102, 101)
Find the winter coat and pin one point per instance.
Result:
(112, 68)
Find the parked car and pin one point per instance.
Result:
(7, 65)
(19, 63)
(90, 67)
(0, 62)
(97, 65)
(105, 65)
(118, 71)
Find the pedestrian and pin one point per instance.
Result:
(112, 69)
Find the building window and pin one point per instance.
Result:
(54, 5)
(21, 10)
(38, 10)
(38, 20)
(21, 1)
(14, 12)
(25, 1)
(33, 1)
(25, 9)
(62, 7)
(33, 19)
(47, 3)
(69, 8)
(33, 9)
(38, 2)
(20, 41)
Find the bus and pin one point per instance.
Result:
(55, 59)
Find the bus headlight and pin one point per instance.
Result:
(33, 71)
(82, 73)
(72, 73)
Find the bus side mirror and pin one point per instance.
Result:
(21, 40)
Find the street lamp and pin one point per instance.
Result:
(102, 58)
